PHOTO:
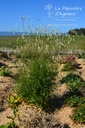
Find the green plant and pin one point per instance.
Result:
(79, 114)
(74, 82)
(75, 100)
(72, 101)
(71, 78)
(81, 55)
(9, 125)
(34, 84)
(8, 42)
(14, 103)
(70, 63)
(5, 71)
(4, 126)
(69, 67)
(78, 103)
(37, 47)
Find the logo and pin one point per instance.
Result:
(49, 8)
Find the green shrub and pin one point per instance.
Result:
(34, 83)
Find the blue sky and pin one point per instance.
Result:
(59, 14)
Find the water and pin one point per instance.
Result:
(5, 33)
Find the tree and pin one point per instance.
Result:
(77, 31)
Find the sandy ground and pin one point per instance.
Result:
(28, 113)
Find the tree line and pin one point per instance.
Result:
(77, 31)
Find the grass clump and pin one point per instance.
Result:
(37, 47)
(35, 82)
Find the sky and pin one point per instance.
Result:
(62, 15)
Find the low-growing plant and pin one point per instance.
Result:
(79, 114)
(9, 125)
(69, 67)
(5, 71)
(78, 103)
(76, 85)
(79, 108)
(81, 55)
(69, 62)
(72, 101)
(74, 82)
(69, 59)
(71, 77)
(14, 103)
